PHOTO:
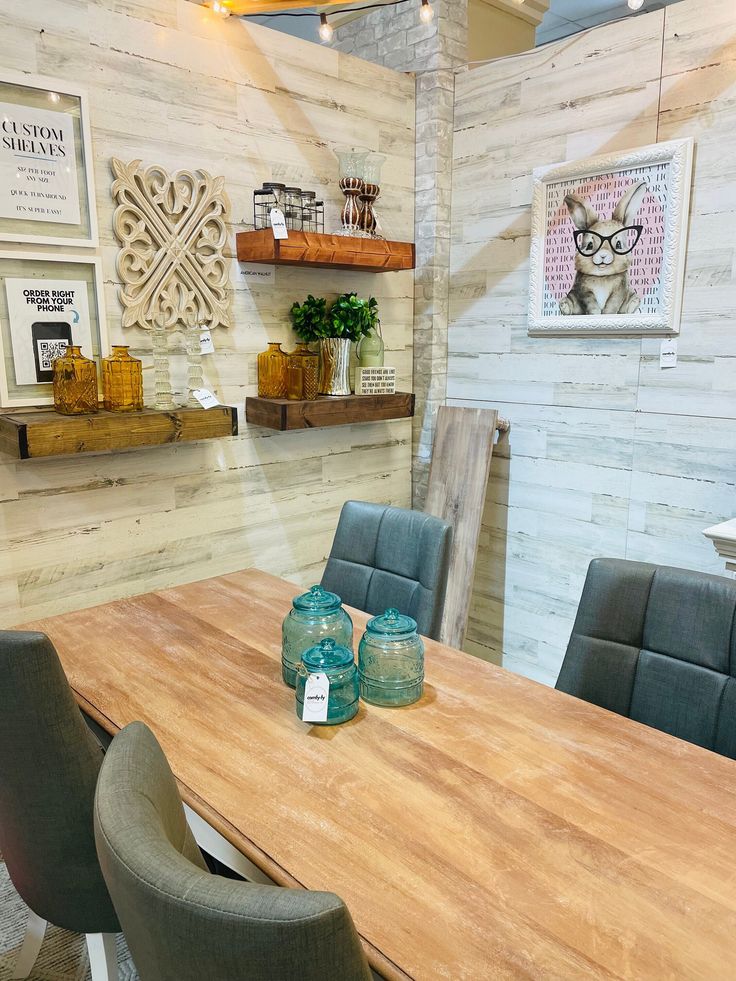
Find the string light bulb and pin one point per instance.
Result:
(325, 29)
(219, 8)
(426, 14)
(636, 4)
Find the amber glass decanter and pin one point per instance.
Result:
(294, 377)
(122, 381)
(310, 371)
(272, 372)
(75, 383)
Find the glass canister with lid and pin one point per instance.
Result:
(391, 661)
(327, 687)
(315, 615)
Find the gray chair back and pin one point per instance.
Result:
(49, 761)
(658, 645)
(181, 922)
(386, 557)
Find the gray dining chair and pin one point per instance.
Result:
(181, 922)
(49, 761)
(385, 557)
(658, 645)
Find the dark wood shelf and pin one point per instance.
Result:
(328, 410)
(31, 433)
(325, 251)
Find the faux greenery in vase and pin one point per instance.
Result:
(348, 319)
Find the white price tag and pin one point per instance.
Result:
(316, 698)
(278, 223)
(205, 398)
(205, 341)
(668, 353)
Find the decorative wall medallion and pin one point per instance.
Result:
(172, 233)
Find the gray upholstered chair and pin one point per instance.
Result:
(49, 761)
(658, 645)
(389, 557)
(181, 922)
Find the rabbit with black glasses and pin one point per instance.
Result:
(603, 256)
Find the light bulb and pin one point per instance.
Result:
(219, 8)
(426, 14)
(635, 4)
(325, 28)
(54, 97)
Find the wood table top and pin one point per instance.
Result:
(495, 829)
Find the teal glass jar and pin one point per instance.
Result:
(337, 663)
(315, 614)
(391, 661)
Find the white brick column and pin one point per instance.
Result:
(395, 37)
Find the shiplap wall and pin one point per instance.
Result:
(610, 455)
(170, 83)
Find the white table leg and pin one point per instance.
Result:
(103, 958)
(214, 844)
(35, 932)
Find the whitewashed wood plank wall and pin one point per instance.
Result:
(169, 83)
(609, 454)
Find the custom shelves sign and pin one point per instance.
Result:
(46, 180)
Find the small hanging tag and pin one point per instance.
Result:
(205, 341)
(278, 223)
(205, 398)
(668, 353)
(316, 698)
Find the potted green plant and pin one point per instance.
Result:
(347, 320)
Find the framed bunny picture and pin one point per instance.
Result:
(608, 242)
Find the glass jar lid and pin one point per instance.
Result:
(392, 624)
(327, 656)
(293, 190)
(273, 186)
(317, 600)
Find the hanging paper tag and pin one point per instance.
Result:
(205, 341)
(668, 353)
(316, 698)
(205, 398)
(278, 223)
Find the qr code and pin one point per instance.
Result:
(48, 351)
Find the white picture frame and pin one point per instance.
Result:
(83, 234)
(598, 204)
(55, 267)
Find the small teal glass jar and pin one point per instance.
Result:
(338, 664)
(391, 661)
(315, 614)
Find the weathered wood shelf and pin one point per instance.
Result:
(32, 433)
(328, 410)
(325, 251)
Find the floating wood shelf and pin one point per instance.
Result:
(342, 410)
(44, 432)
(326, 251)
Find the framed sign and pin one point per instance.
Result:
(608, 243)
(46, 178)
(46, 303)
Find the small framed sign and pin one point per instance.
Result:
(47, 190)
(375, 381)
(46, 303)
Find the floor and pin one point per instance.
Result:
(63, 956)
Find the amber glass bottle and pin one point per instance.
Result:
(294, 377)
(75, 383)
(272, 372)
(122, 381)
(310, 371)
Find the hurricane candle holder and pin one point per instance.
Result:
(352, 164)
(367, 221)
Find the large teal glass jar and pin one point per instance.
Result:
(338, 664)
(315, 614)
(391, 661)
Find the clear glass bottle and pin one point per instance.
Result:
(122, 381)
(391, 661)
(314, 615)
(310, 371)
(337, 663)
(272, 372)
(75, 383)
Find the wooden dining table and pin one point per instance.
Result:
(495, 829)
